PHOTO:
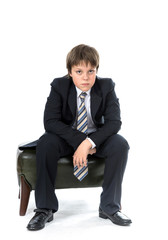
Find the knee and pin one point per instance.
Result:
(117, 143)
(47, 141)
(121, 143)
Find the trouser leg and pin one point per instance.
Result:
(49, 149)
(115, 150)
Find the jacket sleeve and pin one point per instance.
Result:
(112, 119)
(54, 124)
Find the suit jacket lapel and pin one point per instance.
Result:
(72, 99)
(95, 101)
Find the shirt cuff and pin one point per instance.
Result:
(93, 144)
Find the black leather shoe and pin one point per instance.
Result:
(117, 218)
(40, 218)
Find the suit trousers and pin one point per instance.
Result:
(51, 147)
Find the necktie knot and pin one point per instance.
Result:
(82, 96)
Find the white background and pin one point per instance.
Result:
(132, 40)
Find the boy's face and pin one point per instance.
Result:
(83, 76)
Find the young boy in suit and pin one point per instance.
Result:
(82, 116)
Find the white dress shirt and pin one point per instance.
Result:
(91, 125)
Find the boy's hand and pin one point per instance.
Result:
(81, 153)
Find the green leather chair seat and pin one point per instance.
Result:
(26, 172)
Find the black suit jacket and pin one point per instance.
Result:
(61, 109)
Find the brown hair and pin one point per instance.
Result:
(83, 53)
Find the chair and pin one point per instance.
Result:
(26, 172)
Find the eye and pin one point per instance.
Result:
(91, 71)
(78, 72)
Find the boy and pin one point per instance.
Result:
(82, 116)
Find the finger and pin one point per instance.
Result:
(77, 163)
(85, 163)
(94, 151)
(80, 162)
(91, 152)
(74, 161)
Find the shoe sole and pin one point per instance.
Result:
(101, 215)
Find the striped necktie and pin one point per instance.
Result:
(82, 126)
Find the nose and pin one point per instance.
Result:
(85, 76)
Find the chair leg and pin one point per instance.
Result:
(24, 196)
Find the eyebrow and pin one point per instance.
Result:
(89, 68)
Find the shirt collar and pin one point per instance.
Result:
(80, 91)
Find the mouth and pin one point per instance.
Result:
(85, 84)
